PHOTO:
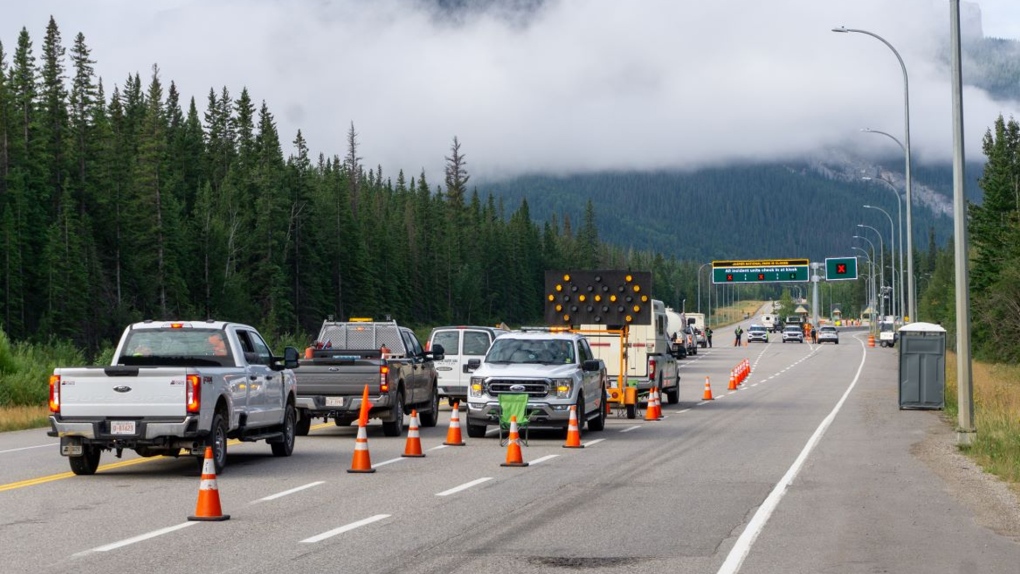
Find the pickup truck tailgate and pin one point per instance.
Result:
(337, 379)
(149, 392)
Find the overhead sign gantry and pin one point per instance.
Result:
(760, 271)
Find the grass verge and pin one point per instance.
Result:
(996, 446)
(20, 418)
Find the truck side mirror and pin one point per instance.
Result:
(591, 365)
(474, 364)
(290, 358)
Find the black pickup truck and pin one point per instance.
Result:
(386, 357)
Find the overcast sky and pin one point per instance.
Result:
(580, 85)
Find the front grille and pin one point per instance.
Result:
(534, 388)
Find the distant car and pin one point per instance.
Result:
(702, 340)
(757, 333)
(828, 334)
(793, 333)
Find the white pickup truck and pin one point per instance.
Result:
(173, 386)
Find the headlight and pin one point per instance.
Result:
(477, 387)
(563, 387)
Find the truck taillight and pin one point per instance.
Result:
(651, 369)
(194, 394)
(55, 394)
(384, 384)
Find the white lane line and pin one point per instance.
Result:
(596, 441)
(628, 429)
(756, 384)
(139, 538)
(346, 528)
(464, 486)
(438, 447)
(291, 491)
(29, 447)
(683, 411)
(390, 461)
(701, 403)
(742, 548)
(543, 459)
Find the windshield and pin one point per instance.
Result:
(541, 351)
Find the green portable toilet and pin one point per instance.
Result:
(922, 366)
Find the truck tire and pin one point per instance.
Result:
(430, 417)
(289, 429)
(673, 395)
(217, 439)
(396, 426)
(599, 422)
(304, 424)
(581, 416)
(88, 462)
(476, 431)
(631, 411)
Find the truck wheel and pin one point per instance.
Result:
(673, 395)
(599, 422)
(431, 417)
(286, 446)
(218, 441)
(580, 416)
(476, 431)
(88, 462)
(304, 424)
(632, 411)
(396, 427)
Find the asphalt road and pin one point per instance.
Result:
(809, 467)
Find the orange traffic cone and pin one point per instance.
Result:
(658, 403)
(453, 437)
(362, 461)
(413, 447)
(573, 432)
(208, 507)
(733, 382)
(650, 414)
(513, 446)
(708, 391)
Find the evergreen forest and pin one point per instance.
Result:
(127, 204)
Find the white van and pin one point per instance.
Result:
(461, 344)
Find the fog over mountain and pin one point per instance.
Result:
(558, 86)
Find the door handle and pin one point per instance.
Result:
(253, 377)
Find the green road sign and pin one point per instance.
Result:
(760, 271)
(840, 268)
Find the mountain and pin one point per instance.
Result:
(763, 211)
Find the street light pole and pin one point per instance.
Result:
(892, 255)
(906, 139)
(881, 267)
(899, 218)
(871, 284)
(699, 285)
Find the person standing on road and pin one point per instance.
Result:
(738, 332)
(708, 336)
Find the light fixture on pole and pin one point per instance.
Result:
(912, 312)
(892, 255)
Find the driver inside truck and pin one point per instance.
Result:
(217, 345)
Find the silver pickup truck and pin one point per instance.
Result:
(173, 386)
(556, 370)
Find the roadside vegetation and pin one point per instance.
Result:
(24, 379)
(996, 446)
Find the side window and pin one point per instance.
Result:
(476, 342)
(449, 341)
(584, 351)
(412, 344)
(251, 342)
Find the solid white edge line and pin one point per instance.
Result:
(29, 447)
(743, 545)
(464, 486)
(343, 529)
(291, 491)
(543, 459)
(596, 441)
(138, 538)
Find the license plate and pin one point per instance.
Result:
(334, 401)
(122, 427)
